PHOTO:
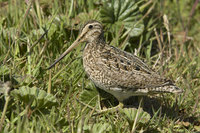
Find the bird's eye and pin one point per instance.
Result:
(90, 26)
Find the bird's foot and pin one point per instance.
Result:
(119, 106)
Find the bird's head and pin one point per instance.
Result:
(91, 31)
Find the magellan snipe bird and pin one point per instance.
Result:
(115, 71)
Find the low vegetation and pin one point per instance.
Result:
(33, 33)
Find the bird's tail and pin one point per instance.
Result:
(168, 88)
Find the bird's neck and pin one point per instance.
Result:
(96, 44)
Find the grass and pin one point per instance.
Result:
(34, 33)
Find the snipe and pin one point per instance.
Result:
(115, 71)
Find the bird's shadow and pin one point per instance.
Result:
(155, 105)
(152, 105)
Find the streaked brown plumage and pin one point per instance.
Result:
(115, 71)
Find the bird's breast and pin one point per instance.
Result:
(92, 66)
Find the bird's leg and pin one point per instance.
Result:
(141, 101)
(119, 106)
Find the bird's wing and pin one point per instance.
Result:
(126, 70)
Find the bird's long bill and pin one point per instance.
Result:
(76, 42)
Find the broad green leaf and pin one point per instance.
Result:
(132, 114)
(35, 97)
(123, 12)
(98, 127)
